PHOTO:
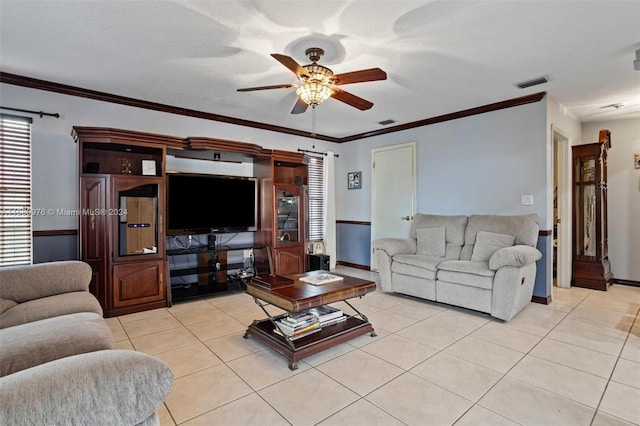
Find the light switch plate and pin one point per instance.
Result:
(527, 200)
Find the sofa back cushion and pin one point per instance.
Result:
(28, 282)
(488, 243)
(431, 241)
(454, 230)
(524, 228)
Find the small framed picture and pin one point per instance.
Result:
(637, 160)
(149, 167)
(318, 247)
(354, 180)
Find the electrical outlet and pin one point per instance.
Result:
(527, 200)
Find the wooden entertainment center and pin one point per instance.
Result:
(122, 185)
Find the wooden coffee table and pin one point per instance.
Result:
(300, 296)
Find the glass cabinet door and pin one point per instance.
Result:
(585, 199)
(287, 215)
(138, 221)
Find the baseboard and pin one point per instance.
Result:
(626, 282)
(353, 265)
(540, 299)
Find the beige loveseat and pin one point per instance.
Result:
(480, 262)
(57, 362)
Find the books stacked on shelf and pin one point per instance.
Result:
(328, 315)
(297, 326)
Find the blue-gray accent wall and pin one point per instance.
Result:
(53, 248)
(353, 243)
(544, 267)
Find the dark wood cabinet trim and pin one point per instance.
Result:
(33, 83)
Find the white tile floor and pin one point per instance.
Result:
(573, 362)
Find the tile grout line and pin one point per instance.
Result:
(613, 370)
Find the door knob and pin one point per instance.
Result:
(406, 218)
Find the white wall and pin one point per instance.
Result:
(623, 194)
(475, 165)
(54, 154)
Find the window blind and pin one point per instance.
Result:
(316, 199)
(15, 191)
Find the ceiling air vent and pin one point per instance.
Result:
(386, 122)
(534, 82)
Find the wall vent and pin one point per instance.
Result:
(386, 122)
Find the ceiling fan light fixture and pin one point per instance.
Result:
(313, 92)
(318, 73)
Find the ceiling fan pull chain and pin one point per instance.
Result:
(313, 121)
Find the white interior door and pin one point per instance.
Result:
(563, 234)
(393, 192)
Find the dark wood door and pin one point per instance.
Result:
(94, 234)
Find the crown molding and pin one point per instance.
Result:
(49, 86)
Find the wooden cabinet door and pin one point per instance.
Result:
(288, 260)
(94, 234)
(138, 282)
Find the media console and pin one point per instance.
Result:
(200, 271)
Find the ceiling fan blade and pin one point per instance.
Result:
(290, 63)
(372, 74)
(277, 86)
(349, 99)
(300, 107)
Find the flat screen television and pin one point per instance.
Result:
(202, 204)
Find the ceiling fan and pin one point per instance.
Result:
(318, 83)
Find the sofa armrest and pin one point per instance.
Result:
(24, 283)
(516, 256)
(105, 387)
(393, 246)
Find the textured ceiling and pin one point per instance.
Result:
(440, 56)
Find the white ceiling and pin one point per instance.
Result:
(440, 56)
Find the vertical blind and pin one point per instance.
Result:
(316, 199)
(15, 191)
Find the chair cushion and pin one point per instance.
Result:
(431, 241)
(35, 343)
(488, 243)
(6, 304)
(48, 307)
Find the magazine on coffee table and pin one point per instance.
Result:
(321, 279)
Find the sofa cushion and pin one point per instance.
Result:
(431, 241)
(421, 266)
(35, 343)
(48, 307)
(28, 282)
(6, 304)
(517, 256)
(523, 227)
(466, 272)
(454, 234)
(112, 387)
(488, 243)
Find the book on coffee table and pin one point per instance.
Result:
(321, 279)
(272, 281)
